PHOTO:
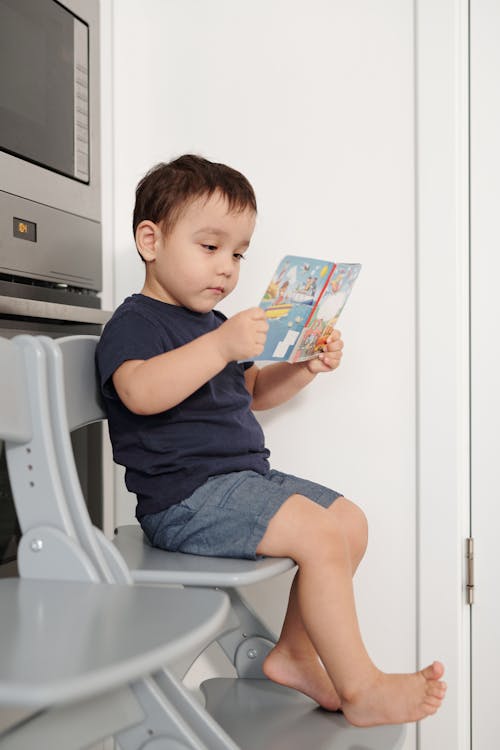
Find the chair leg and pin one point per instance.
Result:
(161, 723)
(76, 725)
(212, 734)
(247, 645)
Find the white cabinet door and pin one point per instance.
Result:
(443, 458)
(485, 368)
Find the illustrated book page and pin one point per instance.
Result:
(302, 304)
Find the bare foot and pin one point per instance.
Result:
(397, 698)
(305, 673)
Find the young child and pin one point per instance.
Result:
(179, 403)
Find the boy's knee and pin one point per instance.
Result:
(326, 539)
(360, 522)
(354, 522)
(360, 541)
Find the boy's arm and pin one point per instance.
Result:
(274, 384)
(153, 385)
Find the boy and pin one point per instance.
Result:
(178, 400)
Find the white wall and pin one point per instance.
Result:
(314, 103)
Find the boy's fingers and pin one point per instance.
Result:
(257, 313)
(334, 346)
(331, 362)
(324, 362)
(333, 339)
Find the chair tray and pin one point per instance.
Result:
(149, 564)
(261, 714)
(62, 641)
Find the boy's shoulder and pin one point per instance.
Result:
(134, 331)
(131, 319)
(139, 307)
(136, 303)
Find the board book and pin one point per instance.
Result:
(302, 304)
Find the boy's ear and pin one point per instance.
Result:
(146, 235)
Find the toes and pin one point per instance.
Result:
(433, 702)
(436, 689)
(434, 671)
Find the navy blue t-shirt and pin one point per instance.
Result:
(169, 455)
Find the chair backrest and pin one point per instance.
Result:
(74, 398)
(55, 385)
(30, 454)
(15, 422)
(71, 366)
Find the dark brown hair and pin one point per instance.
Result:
(166, 190)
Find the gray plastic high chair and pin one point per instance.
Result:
(77, 653)
(254, 712)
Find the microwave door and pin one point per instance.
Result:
(44, 86)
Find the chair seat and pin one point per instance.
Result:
(64, 641)
(152, 565)
(261, 714)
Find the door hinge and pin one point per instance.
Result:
(469, 585)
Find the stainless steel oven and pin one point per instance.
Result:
(51, 312)
(50, 202)
(50, 198)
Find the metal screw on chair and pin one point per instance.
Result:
(252, 653)
(36, 545)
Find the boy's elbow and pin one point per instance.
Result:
(134, 400)
(140, 409)
(139, 403)
(132, 390)
(134, 404)
(259, 404)
(141, 394)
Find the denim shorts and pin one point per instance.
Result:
(229, 514)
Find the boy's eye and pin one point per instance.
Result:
(238, 256)
(210, 247)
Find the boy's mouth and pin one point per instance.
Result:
(216, 289)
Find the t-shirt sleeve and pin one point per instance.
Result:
(129, 336)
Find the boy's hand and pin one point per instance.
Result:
(330, 358)
(243, 336)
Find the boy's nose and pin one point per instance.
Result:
(225, 266)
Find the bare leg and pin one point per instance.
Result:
(316, 540)
(294, 661)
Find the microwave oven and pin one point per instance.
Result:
(50, 203)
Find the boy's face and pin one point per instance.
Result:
(198, 263)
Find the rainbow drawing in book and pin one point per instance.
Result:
(302, 303)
